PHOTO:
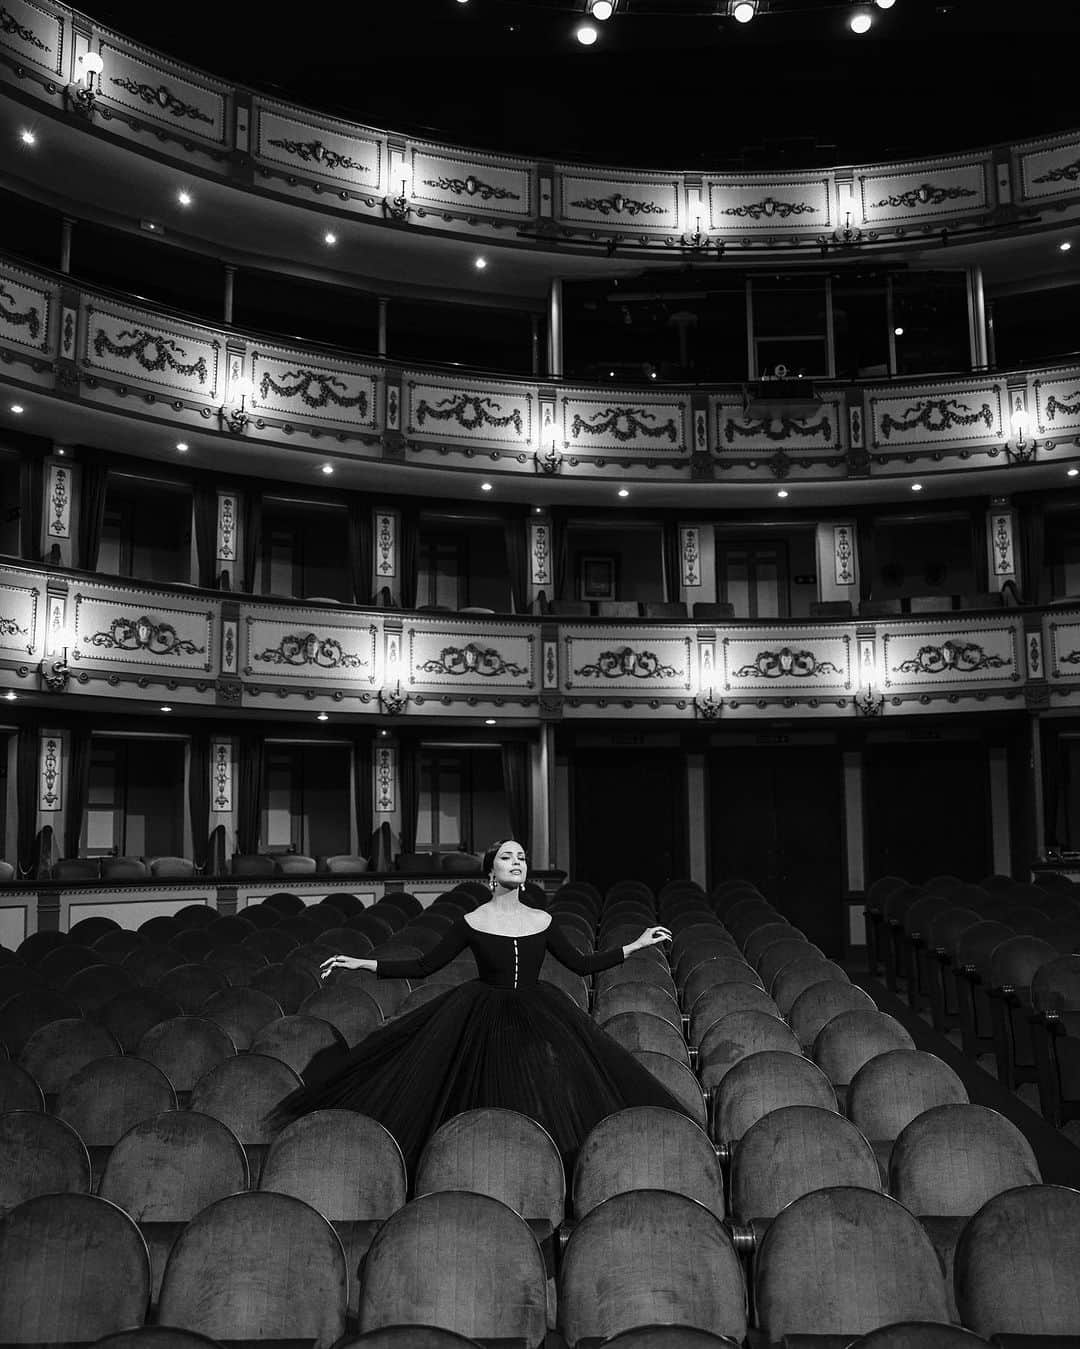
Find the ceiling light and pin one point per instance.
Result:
(861, 21)
(623, 492)
(782, 494)
(489, 721)
(329, 237)
(61, 451)
(1072, 472)
(27, 136)
(538, 510)
(10, 696)
(480, 264)
(327, 469)
(744, 11)
(602, 10)
(182, 446)
(916, 486)
(586, 34)
(165, 707)
(184, 198)
(884, 4)
(898, 332)
(18, 409)
(1065, 245)
(485, 487)
(322, 717)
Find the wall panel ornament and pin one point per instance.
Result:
(617, 424)
(292, 385)
(766, 205)
(1001, 538)
(18, 617)
(927, 655)
(551, 665)
(786, 659)
(1034, 653)
(157, 90)
(645, 204)
(844, 554)
(735, 430)
(35, 34)
(277, 649)
(1063, 657)
(385, 771)
(483, 414)
(386, 545)
(56, 638)
(228, 515)
(230, 644)
(604, 662)
(138, 347)
(934, 191)
(690, 551)
(447, 182)
(495, 658)
(58, 501)
(51, 772)
(318, 148)
(540, 554)
(939, 417)
(69, 328)
(1057, 403)
(1049, 168)
(26, 307)
(221, 777)
(131, 630)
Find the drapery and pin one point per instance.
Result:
(408, 556)
(408, 791)
(672, 555)
(515, 774)
(199, 797)
(361, 554)
(864, 548)
(27, 742)
(559, 554)
(31, 491)
(253, 512)
(1032, 529)
(362, 792)
(93, 487)
(205, 519)
(78, 786)
(249, 783)
(515, 534)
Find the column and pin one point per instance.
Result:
(555, 329)
(534, 343)
(230, 286)
(977, 318)
(1035, 796)
(696, 823)
(542, 763)
(1000, 832)
(381, 347)
(67, 224)
(854, 843)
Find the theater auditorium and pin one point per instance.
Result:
(472, 469)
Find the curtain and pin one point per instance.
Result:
(1031, 524)
(94, 485)
(409, 792)
(250, 774)
(365, 802)
(31, 491)
(864, 547)
(205, 517)
(408, 556)
(672, 562)
(515, 773)
(78, 785)
(199, 797)
(361, 554)
(516, 536)
(559, 554)
(252, 538)
(26, 797)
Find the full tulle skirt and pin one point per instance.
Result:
(532, 1050)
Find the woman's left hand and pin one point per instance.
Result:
(653, 936)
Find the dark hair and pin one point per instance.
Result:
(493, 852)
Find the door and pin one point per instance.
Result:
(776, 818)
(753, 576)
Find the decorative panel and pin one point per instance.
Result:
(313, 651)
(322, 148)
(540, 554)
(1063, 655)
(1001, 543)
(221, 777)
(51, 773)
(643, 661)
(226, 527)
(230, 642)
(1057, 404)
(770, 205)
(641, 205)
(134, 630)
(58, 502)
(292, 384)
(142, 348)
(384, 771)
(690, 551)
(1034, 653)
(160, 91)
(386, 545)
(937, 416)
(33, 34)
(26, 307)
(620, 422)
(1050, 170)
(56, 638)
(786, 659)
(496, 657)
(486, 185)
(843, 537)
(481, 413)
(820, 430)
(551, 665)
(931, 192)
(18, 615)
(69, 326)
(926, 655)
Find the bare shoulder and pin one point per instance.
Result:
(528, 924)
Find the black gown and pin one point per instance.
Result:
(503, 1039)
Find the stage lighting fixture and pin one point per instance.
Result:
(744, 10)
(601, 10)
(861, 21)
(586, 34)
(884, 4)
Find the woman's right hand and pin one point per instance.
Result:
(343, 963)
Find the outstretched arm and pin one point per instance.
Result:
(453, 941)
(568, 954)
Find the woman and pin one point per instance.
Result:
(503, 1039)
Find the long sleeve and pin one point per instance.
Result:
(567, 954)
(454, 941)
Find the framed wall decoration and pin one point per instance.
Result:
(597, 577)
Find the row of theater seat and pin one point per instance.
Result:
(783, 1156)
(72, 870)
(998, 961)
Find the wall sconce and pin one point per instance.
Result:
(1019, 449)
(708, 704)
(697, 240)
(55, 672)
(234, 414)
(548, 461)
(394, 699)
(868, 702)
(398, 207)
(81, 94)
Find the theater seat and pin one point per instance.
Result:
(294, 864)
(349, 1009)
(892, 1089)
(74, 869)
(124, 869)
(299, 1041)
(344, 864)
(39, 1155)
(241, 1092)
(671, 609)
(706, 611)
(761, 1083)
(171, 868)
(416, 862)
(830, 609)
(251, 864)
(462, 862)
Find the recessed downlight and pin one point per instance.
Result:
(916, 486)
(27, 136)
(623, 492)
(182, 447)
(327, 469)
(485, 487)
(323, 716)
(18, 409)
(782, 494)
(184, 197)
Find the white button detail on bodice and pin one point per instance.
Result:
(515, 941)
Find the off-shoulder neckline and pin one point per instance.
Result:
(510, 936)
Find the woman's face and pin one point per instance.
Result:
(510, 868)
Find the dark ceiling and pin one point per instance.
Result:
(663, 87)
